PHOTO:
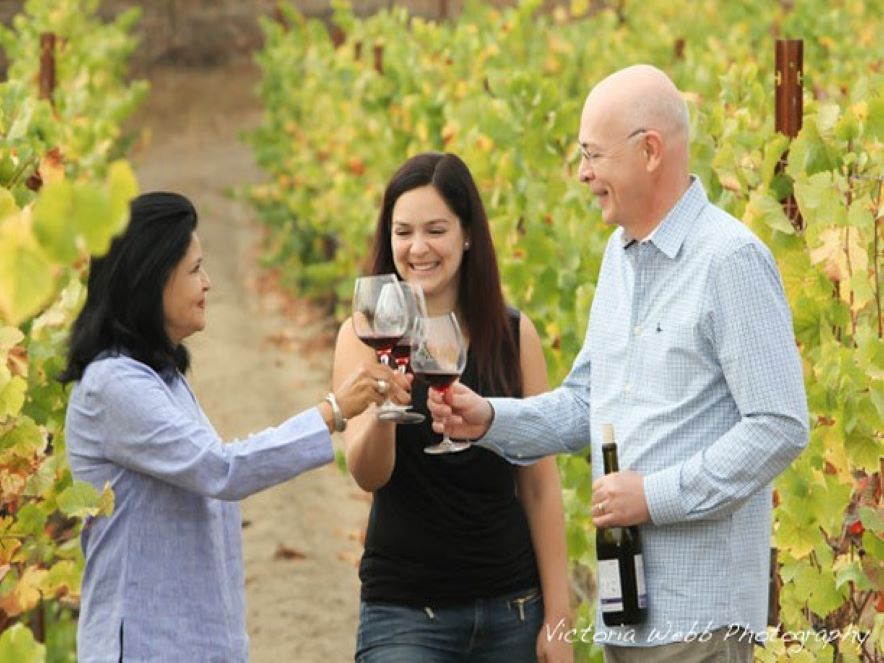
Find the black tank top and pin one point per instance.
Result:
(449, 528)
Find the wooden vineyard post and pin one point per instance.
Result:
(47, 65)
(789, 106)
(379, 58)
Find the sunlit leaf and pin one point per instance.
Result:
(12, 396)
(17, 645)
(53, 221)
(7, 204)
(26, 280)
(80, 500)
(872, 519)
(771, 213)
(26, 593)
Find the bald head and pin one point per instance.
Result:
(640, 96)
(635, 152)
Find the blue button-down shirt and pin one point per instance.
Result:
(690, 354)
(164, 574)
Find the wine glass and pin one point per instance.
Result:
(417, 308)
(438, 357)
(380, 318)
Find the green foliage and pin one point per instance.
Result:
(63, 195)
(503, 89)
(17, 645)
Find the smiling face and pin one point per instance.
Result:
(184, 295)
(611, 165)
(634, 139)
(427, 242)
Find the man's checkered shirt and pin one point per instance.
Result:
(690, 354)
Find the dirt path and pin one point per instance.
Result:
(256, 364)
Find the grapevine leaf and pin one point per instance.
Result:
(25, 594)
(7, 204)
(30, 519)
(25, 274)
(63, 578)
(25, 439)
(123, 187)
(770, 212)
(817, 588)
(12, 397)
(864, 450)
(53, 225)
(79, 500)
(859, 215)
(831, 253)
(872, 519)
(875, 121)
(17, 645)
(9, 338)
(853, 573)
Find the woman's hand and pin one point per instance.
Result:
(371, 383)
(553, 642)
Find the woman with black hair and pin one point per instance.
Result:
(164, 577)
(464, 554)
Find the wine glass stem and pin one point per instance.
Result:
(384, 358)
(445, 439)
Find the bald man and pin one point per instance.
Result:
(690, 354)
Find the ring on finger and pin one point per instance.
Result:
(382, 387)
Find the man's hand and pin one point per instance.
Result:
(618, 500)
(463, 414)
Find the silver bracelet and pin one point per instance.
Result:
(340, 421)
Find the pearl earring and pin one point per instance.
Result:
(466, 246)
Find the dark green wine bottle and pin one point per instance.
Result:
(622, 593)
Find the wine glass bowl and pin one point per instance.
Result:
(438, 357)
(380, 318)
(401, 352)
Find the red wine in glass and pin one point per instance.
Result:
(441, 381)
(438, 357)
(401, 354)
(380, 344)
(380, 319)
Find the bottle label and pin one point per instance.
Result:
(640, 582)
(610, 591)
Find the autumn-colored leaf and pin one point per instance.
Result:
(26, 593)
(840, 252)
(287, 552)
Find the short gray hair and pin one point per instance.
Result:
(664, 112)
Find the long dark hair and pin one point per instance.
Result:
(124, 301)
(479, 297)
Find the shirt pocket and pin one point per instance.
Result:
(675, 362)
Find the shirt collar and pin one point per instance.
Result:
(670, 233)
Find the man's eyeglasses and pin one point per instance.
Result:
(594, 156)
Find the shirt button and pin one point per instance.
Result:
(638, 330)
(627, 388)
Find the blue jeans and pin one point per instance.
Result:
(497, 630)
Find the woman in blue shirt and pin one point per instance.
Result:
(164, 577)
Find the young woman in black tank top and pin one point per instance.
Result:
(465, 554)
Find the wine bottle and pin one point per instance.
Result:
(622, 593)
